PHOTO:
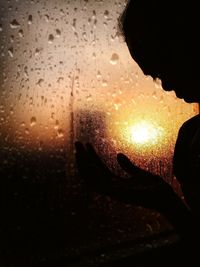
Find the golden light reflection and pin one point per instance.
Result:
(144, 133)
(141, 135)
(59, 66)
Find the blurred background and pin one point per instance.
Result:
(66, 75)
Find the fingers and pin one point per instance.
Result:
(142, 190)
(80, 150)
(140, 176)
(97, 160)
(82, 160)
(92, 169)
(128, 166)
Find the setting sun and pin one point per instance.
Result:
(145, 132)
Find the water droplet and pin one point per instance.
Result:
(33, 121)
(52, 115)
(14, 24)
(11, 111)
(30, 19)
(104, 83)
(84, 34)
(37, 51)
(94, 55)
(94, 14)
(56, 125)
(106, 14)
(21, 33)
(60, 133)
(40, 148)
(12, 38)
(47, 18)
(10, 51)
(98, 75)
(22, 124)
(26, 72)
(74, 24)
(158, 83)
(50, 39)
(114, 59)
(60, 79)
(1, 109)
(89, 97)
(154, 95)
(58, 33)
(26, 131)
(40, 82)
(62, 12)
(2, 119)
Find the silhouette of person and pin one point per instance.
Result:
(162, 37)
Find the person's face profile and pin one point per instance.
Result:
(175, 71)
(165, 46)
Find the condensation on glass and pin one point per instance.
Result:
(66, 75)
(67, 61)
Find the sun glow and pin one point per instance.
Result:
(145, 132)
(144, 135)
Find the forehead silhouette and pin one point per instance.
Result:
(162, 37)
(160, 19)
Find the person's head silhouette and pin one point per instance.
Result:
(162, 37)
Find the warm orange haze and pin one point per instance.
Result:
(74, 58)
(66, 75)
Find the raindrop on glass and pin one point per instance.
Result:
(40, 82)
(58, 33)
(89, 97)
(26, 71)
(50, 39)
(11, 111)
(60, 133)
(26, 131)
(158, 83)
(94, 55)
(37, 51)
(14, 24)
(10, 51)
(12, 39)
(30, 19)
(60, 79)
(56, 124)
(33, 121)
(114, 59)
(106, 13)
(98, 75)
(47, 18)
(104, 83)
(22, 124)
(21, 33)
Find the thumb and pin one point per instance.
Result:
(127, 165)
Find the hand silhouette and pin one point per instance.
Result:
(91, 168)
(187, 162)
(142, 188)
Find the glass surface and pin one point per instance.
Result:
(66, 75)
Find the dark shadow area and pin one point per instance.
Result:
(50, 218)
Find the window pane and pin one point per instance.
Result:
(66, 75)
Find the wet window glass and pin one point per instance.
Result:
(67, 75)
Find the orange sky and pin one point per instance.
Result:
(47, 49)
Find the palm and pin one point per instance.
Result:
(143, 188)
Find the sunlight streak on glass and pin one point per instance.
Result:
(144, 132)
